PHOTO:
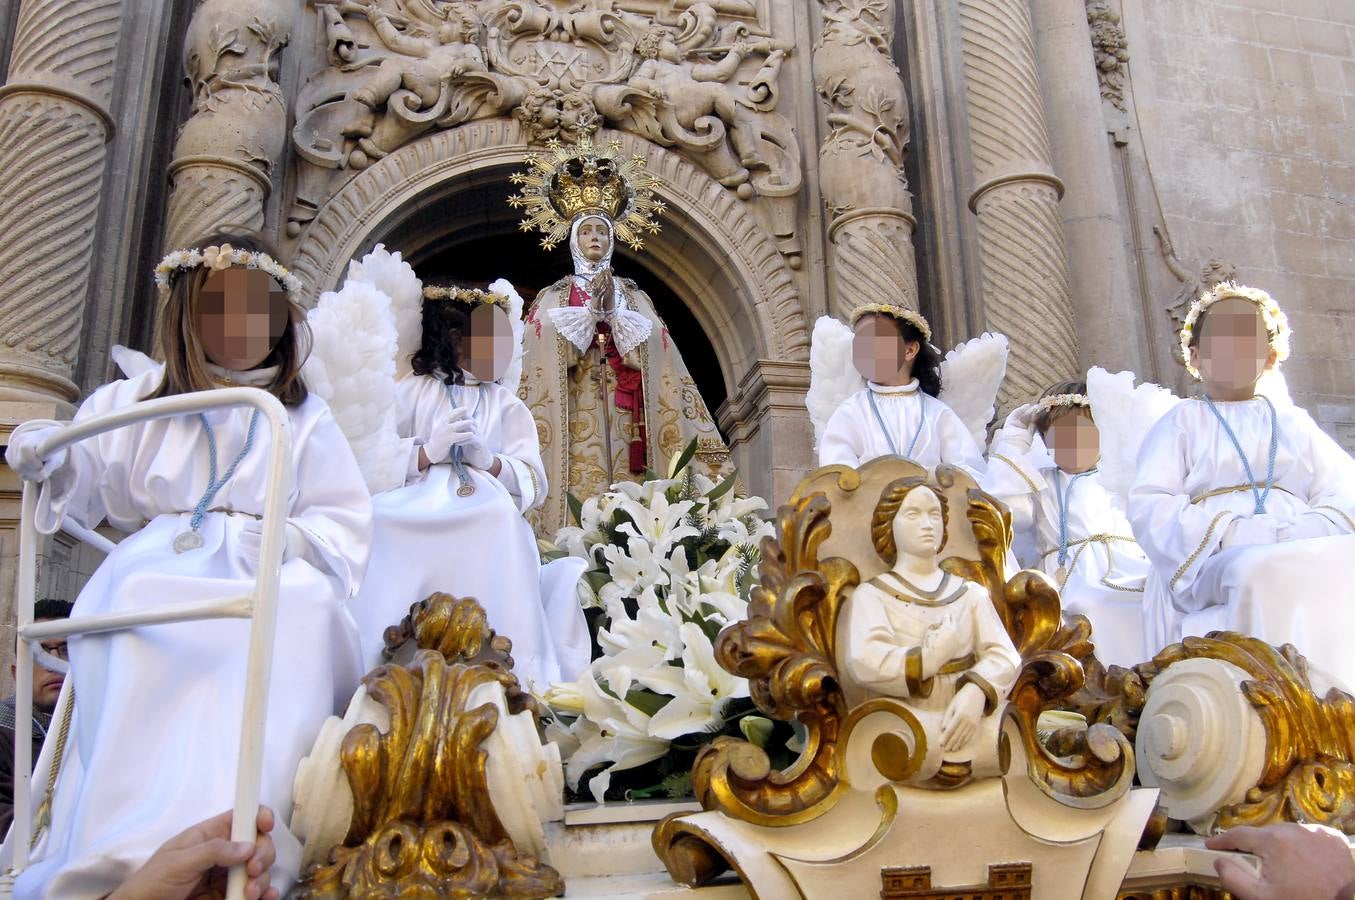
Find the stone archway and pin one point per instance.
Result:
(713, 250)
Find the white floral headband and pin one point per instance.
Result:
(912, 317)
(1065, 401)
(219, 258)
(1276, 322)
(470, 296)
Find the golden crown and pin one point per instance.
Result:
(570, 181)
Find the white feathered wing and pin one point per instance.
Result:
(1124, 414)
(513, 376)
(352, 368)
(832, 374)
(390, 274)
(971, 376)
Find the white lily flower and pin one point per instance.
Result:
(660, 523)
(644, 492)
(700, 689)
(610, 731)
(631, 571)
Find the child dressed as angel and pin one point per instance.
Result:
(886, 399)
(1082, 538)
(155, 737)
(1244, 505)
(474, 468)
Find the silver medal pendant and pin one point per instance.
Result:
(465, 490)
(189, 540)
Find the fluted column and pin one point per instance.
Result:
(54, 128)
(228, 149)
(1026, 293)
(870, 210)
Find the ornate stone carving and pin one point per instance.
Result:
(227, 150)
(1026, 286)
(861, 160)
(1112, 52)
(54, 125)
(788, 649)
(1214, 272)
(424, 818)
(703, 82)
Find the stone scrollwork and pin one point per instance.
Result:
(703, 81)
(423, 810)
(788, 649)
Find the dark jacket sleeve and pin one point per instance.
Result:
(6, 778)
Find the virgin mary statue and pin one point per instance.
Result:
(609, 391)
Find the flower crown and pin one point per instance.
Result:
(470, 296)
(1276, 322)
(220, 258)
(912, 317)
(1065, 401)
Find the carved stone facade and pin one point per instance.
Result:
(805, 148)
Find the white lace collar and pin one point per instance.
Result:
(253, 378)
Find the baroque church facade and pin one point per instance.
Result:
(1070, 173)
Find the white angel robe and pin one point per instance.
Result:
(156, 729)
(428, 538)
(853, 436)
(1105, 571)
(1191, 486)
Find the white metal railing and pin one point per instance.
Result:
(260, 606)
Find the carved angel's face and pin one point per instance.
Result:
(880, 353)
(487, 347)
(241, 315)
(1234, 349)
(1074, 440)
(919, 524)
(595, 238)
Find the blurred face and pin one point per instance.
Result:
(241, 314)
(880, 353)
(919, 523)
(1233, 350)
(595, 238)
(1074, 440)
(487, 347)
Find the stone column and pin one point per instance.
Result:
(769, 434)
(870, 209)
(1026, 291)
(1109, 320)
(54, 128)
(228, 149)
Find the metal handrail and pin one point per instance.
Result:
(260, 606)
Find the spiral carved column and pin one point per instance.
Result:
(861, 160)
(1026, 290)
(227, 150)
(54, 128)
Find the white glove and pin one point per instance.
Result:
(22, 454)
(446, 435)
(1247, 532)
(1018, 432)
(474, 450)
(250, 541)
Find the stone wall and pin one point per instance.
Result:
(1246, 110)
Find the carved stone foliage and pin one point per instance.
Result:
(1112, 52)
(704, 81)
(861, 159)
(1213, 273)
(227, 150)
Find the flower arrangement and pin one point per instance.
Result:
(672, 562)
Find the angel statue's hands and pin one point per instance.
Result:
(961, 721)
(943, 642)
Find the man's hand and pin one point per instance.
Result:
(192, 865)
(961, 721)
(1298, 862)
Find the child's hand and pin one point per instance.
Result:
(1251, 531)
